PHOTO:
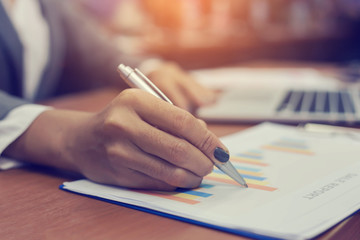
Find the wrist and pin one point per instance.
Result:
(46, 140)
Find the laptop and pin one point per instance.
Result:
(280, 95)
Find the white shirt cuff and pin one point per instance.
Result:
(15, 123)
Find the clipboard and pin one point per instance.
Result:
(300, 185)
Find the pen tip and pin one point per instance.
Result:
(245, 185)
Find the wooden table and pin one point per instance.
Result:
(32, 206)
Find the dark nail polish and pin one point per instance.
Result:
(221, 155)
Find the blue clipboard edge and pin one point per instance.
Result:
(183, 219)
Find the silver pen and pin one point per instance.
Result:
(135, 78)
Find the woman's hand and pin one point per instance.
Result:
(137, 141)
(180, 87)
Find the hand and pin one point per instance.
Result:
(137, 141)
(181, 88)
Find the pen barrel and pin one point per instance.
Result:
(230, 170)
(135, 79)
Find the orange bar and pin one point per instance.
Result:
(292, 150)
(260, 187)
(171, 197)
(230, 181)
(248, 161)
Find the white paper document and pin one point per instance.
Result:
(300, 184)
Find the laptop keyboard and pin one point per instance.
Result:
(313, 102)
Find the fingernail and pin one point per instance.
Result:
(221, 155)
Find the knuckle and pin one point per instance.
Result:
(183, 179)
(202, 123)
(129, 96)
(178, 152)
(179, 178)
(111, 122)
(207, 168)
(154, 136)
(163, 173)
(156, 103)
(114, 153)
(116, 127)
(183, 120)
(208, 142)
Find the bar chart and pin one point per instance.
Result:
(251, 164)
(290, 145)
(188, 196)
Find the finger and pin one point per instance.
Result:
(203, 123)
(175, 150)
(135, 159)
(125, 177)
(176, 95)
(198, 94)
(134, 179)
(180, 123)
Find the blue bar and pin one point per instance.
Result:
(290, 146)
(215, 170)
(254, 177)
(245, 176)
(193, 192)
(204, 185)
(250, 169)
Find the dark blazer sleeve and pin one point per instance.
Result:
(85, 57)
(8, 102)
(10, 66)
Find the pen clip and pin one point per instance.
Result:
(152, 86)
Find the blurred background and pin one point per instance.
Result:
(207, 33)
